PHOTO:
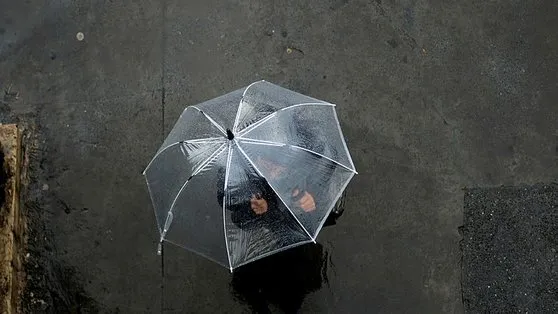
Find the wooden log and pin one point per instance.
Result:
(12, 226)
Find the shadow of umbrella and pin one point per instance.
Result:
(282, 280)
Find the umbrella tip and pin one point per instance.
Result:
(230, 134)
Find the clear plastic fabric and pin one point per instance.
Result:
(249, 174)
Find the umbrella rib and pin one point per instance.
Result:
(237, 118)
(209, 140)
(262, 142)
(278, 195)
(269, 116)
(227, 173)
(211, 120)
(196, 171)
(323, 103)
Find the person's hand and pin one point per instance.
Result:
(306, 202)
(258, 204)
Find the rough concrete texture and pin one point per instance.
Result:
(510, 242)
(432, 96)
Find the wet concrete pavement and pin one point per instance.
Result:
(432, 97)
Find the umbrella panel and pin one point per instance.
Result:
(261, 99)
(257, 221)
(307, 183)
(314, 127)
(223, 109)
(197, 213)
(171, 169)
(192, 125)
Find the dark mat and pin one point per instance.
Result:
(510, 243)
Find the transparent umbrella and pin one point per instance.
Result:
(249, 174)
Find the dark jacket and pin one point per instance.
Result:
(238, 202)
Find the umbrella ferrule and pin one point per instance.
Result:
(230, 134)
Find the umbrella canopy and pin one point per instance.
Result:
(249, 174)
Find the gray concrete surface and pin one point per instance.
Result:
(510, 258)
(433, 96)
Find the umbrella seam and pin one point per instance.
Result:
(261, 174)
(227, 173)
(262, 142)
(195, 141)
(217, 125)
(258, 123)
(236, 119)
(258, 142)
